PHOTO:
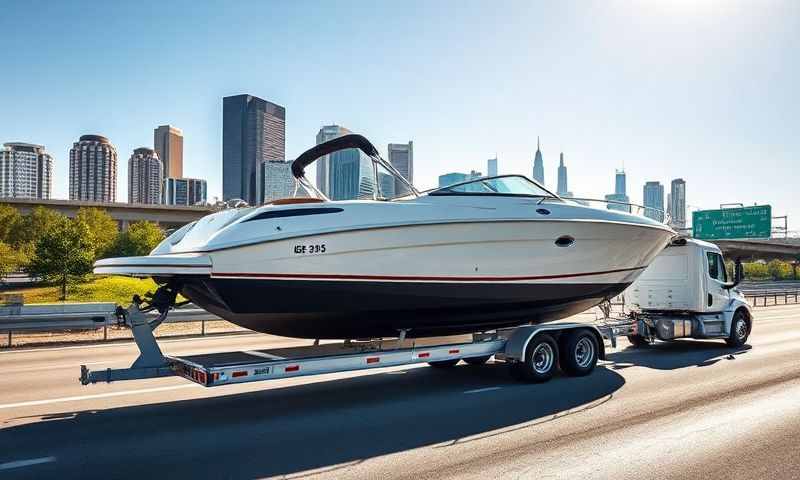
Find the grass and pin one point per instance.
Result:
(99, 289)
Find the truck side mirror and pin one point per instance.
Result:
(738, 274)
(738, 271)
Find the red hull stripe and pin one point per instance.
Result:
(316, 276)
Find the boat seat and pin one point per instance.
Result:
(289, 201)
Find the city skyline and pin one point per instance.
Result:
(716, 126)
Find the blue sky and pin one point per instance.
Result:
(704, 90)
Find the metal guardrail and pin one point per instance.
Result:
(765, 298)
(80, 316)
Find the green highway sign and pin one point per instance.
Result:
(747, 222)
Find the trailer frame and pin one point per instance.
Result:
(510, 345)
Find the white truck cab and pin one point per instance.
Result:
(686, 293)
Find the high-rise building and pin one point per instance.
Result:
(275, 181)
(185, 191)
(401, 156)
(619, 183)
(253, 131)
(653, 195)
(678, 203)
(620, 194)
(168, 144)
(93, 169)
(26, 171)
(491, 167)
(350, 175)
(538, 165)
(145, 177)
(562, 189)
(327, 132)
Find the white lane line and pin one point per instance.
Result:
(52, 367)
(99, 395)
(481, 390)
(26, 463)
(129, 343)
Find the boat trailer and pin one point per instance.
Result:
(534, 352)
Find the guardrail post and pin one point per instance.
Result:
(203, 327)
(105, 332)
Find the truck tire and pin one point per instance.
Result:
(477, 360)
(444, 363)
(740, 330)
(638, 341)
(541, 360)
(579, 352)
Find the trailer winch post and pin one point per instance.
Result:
(150, 363)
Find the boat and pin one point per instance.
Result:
(474, 256)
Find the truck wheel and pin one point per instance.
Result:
(740, 330)
(477, 360)
(579, 353)
(541, 360)
(444, 363)
(638, 341)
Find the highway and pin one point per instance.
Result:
(686, 410)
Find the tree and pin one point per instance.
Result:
(62, 253)
(10, 223)
(36, 224)
(779, 270)
(102, 229)
(9, 260)
(138, 240)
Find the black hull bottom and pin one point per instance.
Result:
(345, 309)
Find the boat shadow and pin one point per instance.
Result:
(324, 425)
(676, 354)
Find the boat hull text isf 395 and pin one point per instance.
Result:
(485, 254)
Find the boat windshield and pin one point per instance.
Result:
(504, 185)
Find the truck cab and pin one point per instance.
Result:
(686, 292)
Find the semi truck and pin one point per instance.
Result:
(686, 292)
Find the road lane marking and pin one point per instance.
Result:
(98, 395)
(130, 343)
(26, 463)
(53, 367)
(481, 390)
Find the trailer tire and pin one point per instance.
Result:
(638, 341)
(579, 353)
(477, 360)
(740, 330)
(541, 360)
(444, 363)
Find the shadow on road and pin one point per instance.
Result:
(677, 354)
(322, 425)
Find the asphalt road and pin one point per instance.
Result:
(685, 410)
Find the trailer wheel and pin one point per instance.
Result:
(740, 330)
(541, 360)
(477, 360)
(579, 353)
(444, 363)
(638, 341)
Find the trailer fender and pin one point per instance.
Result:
(517, 343)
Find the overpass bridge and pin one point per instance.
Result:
(764, 249)
(167, 216)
